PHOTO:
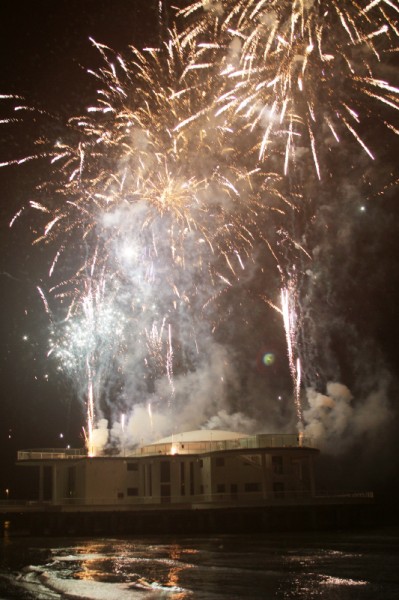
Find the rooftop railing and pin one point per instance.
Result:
(51, 453)
(263, 440)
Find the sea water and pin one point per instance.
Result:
(331, 566)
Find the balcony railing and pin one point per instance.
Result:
(198, 501)
(266, 440)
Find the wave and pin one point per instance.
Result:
(41, 584)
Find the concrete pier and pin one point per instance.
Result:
(88, 521)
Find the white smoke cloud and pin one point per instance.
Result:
(100, 436)
(337, 421)
(141, 426)
(237, 421)
(196, 397)
(214, 6)
(234, 53)
(268, 18)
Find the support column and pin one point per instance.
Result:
(264, 476)
(311, 476)
(41, 483)
(54, 495)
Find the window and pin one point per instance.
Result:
(165, 471)
(219, 462)
(165, 493)
(182, 479)
(277, 464)
(220, 488)
(71, 481)
(132, 466)
(133, 491)
(296, 468)
(252, 487)
(234, 489)
(120, 495)
(201, 463)
(149, 479)
(191, 478)
(252, 460)
(278, 489)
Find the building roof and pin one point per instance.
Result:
(201, 435)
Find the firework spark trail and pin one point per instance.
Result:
(290, 326)
(169, 364)
(88, 432)
(87, 346)
(161, 360)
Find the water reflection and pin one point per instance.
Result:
(213, 568)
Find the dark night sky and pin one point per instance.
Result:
(44, 53)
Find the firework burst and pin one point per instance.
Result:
(164, 212)
(303, 71)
